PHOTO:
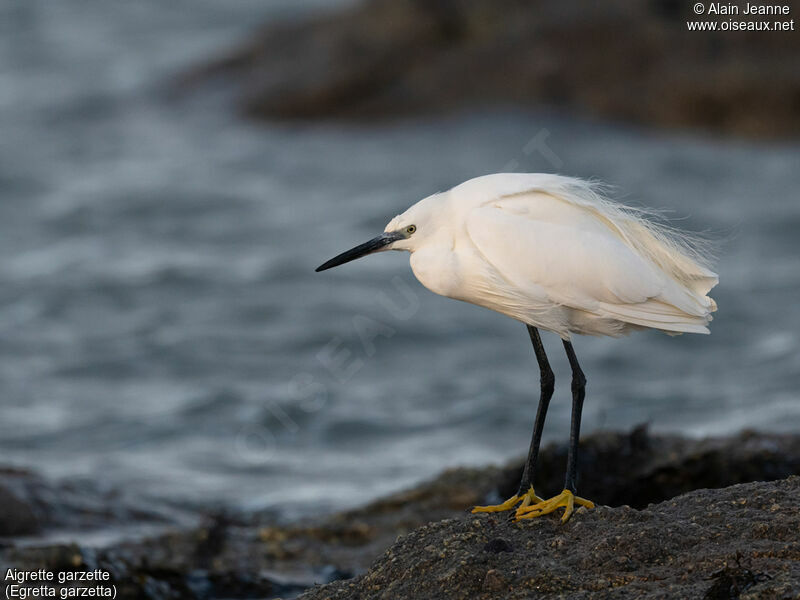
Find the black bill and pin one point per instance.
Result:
(369, 247)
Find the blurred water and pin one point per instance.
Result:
(162, 330)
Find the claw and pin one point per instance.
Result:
(526, 499)
(565, 499)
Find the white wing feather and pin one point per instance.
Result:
(593, 256)
(579, 271)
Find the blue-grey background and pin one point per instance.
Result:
(162, 330)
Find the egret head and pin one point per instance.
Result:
(405, 232)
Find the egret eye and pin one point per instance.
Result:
(411, 229)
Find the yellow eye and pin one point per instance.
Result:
(411, 229)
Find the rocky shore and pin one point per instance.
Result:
(651, 536)
(631, 61)
(739, 542)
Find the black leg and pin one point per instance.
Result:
(578, 393)
(547, 382)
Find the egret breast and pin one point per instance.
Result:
(437, 268)
(462, 273)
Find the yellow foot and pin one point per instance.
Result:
(566, 499)
(527, 499)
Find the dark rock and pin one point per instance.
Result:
(498, 545)
(738, 542)
(241, 556)
(731, 582)
(17, 516)
(638, 469)
(618, 59)
(32, 505)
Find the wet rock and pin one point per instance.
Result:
(704, 544)
(617, 59)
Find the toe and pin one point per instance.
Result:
(507, 505)
(531, 506)
(569, 507)
(536, 510)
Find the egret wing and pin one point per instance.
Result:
(576, 266)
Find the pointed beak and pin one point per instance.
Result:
(374, 245)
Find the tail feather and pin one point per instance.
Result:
(658, 315)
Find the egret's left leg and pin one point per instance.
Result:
(567, 499)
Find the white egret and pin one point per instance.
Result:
(554, 253)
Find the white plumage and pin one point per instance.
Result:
(555, 253)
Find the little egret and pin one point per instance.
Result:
(556, 254)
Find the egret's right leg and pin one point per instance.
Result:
(525, 495)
